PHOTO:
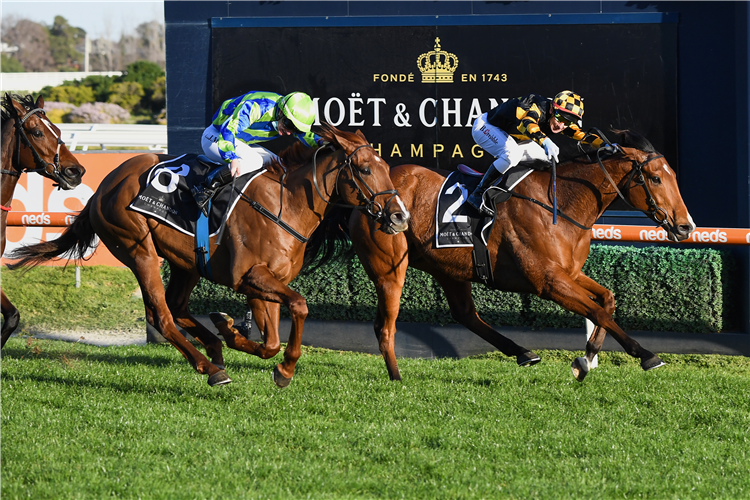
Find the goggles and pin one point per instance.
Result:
(289, 125)
(565, 119)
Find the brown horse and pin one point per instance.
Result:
(30, 143)
(256, 257)
(527, 252)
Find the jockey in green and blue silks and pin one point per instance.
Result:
(254, 118)
(240, 124)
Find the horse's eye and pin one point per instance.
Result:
(656, 180)
(365, 171)
(37, 133)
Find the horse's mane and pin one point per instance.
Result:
(26, 101)
(632, 139)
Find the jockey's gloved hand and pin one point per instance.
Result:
(550, 149)
(612, 148)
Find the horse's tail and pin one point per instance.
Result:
(74, 241)
(330, 241)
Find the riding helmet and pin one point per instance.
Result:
(570, 107)
(298, 107)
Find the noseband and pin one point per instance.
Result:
(637, 172)
(38, 160)
(373, 209)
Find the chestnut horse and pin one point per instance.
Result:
(255, 257)
(527, 252)
(30, 143)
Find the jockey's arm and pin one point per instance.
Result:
(577, 134)
(529, 123)
(244, 115)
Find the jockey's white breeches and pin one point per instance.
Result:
(507, 152)
(252, 157)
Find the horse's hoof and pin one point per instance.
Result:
(280, 380)
(651, 362)
(219, 378)
(580, 368)
(528, 359)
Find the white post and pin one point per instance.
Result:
(78, 277)
(589, 331)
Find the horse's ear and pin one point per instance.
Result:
(359, 133)
(40, 102)
(18, 109)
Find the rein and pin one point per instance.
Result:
(653, 208)
(372, 207)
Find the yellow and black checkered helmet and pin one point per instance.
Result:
(569, 107)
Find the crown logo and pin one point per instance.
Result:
(437, 66)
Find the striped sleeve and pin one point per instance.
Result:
(529, 123)
(579, 135)
(245, 114)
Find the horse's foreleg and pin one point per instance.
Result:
(462, 309)
(560, 288)
(385, 259)
(595, 334)
(266, 317)
(260, 283)
(11, 317)
(181, 284)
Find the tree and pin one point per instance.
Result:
(32, 40)
(63, 40)
(126, 94)
(9, 64)
(143, 72)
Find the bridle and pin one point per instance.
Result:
(636, 172)
(372, 208)
(38, 160)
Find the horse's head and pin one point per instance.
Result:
(363, 180)
(651, 186)
(38, 145)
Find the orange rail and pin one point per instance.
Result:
(40, 219)
(600, 232)
(651, 234)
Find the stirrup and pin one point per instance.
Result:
(202, 196)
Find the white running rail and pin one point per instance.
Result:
(81, 136)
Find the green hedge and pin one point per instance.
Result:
(656, 289)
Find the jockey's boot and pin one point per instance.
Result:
(475, 198)
(207, 189)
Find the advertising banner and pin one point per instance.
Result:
(415, 91)
(37, 194)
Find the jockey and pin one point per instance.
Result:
(243, 122)
(522, 119)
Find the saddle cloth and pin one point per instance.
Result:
(167, 197)
(453, 217)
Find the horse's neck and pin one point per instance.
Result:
(302, 197)
(596, 193)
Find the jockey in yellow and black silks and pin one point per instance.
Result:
(240, 124)
(500, 130)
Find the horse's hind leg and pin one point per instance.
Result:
(11, 317)
(181, 284)
(145, 266)
(266, 317)
(260, 283)
(462, 308)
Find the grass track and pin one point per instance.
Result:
(137, 422)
